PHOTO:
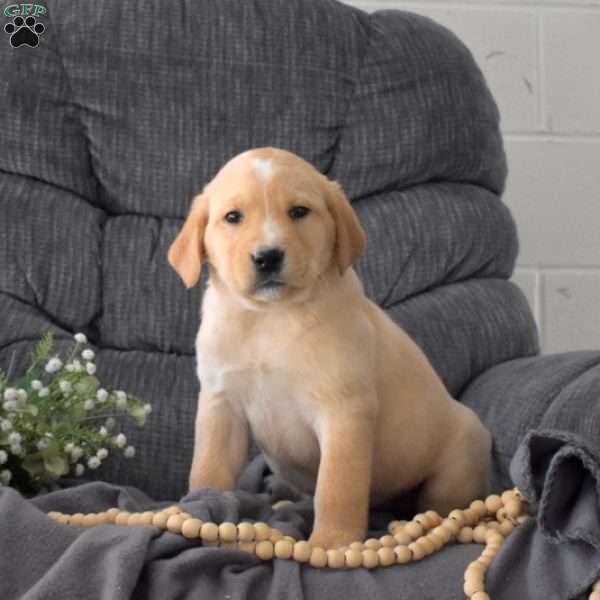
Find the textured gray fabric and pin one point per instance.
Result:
(128, 108)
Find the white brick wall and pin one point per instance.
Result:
(541, 59)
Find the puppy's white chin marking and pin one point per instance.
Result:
(268, 293)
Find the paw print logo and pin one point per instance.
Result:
(24, 31)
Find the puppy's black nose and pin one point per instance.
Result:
(268, 260)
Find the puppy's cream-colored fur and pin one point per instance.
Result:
(341, 401)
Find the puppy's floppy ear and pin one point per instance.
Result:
(187, 250)
(350, 237)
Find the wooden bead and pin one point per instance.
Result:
(402, 538)
(89, 520)
(370, 558)
(480, 596)
(54, 515)
(262, 531)
(452, 526)
(427, 544)
(472, 586)
(403, 554)
(413, 529)
(122, 518)
(191, 528)
(479, 534)
(248, 547)
(508, 496)
(111, 515)
(174, 523)
(275, 535)
(458, 516)
(284, 549)
(209, 532)
(493, 537)
(160, 520)
(418, 552)
(373, 544)
(227, 532)
(594, 596)
(264, 550)
(596, 585)
(523, 519)
(489, 551)
(437, 540)
(475, 568)
(506, 528)
(386, 556)
(357, 546)
(133, 519)
(485, 560)
(245, 532)
(392, 526)
(493, 504)
(101, 518)
(301, 552)
(388, 541)
(501, 515)
(335, 558)
(64, 519)
(471, 517)
(353, 558)
(479, 507)
(444, 533)
(281, 504)
(434, 517)
(513, 508)
(172, 510)
(185, 515)
(423, 520)
(146, 517)
(318, 558)
(465, 535)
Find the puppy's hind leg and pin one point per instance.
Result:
(461, 475)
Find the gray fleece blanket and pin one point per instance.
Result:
(552, 557)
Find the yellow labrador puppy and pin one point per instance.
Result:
(340, 400)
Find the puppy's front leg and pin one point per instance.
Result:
(344, 480)
(221, 444)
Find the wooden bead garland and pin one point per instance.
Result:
(486, 522)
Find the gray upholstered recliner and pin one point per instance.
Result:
(120, 115)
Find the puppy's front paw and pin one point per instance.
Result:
(329, 539)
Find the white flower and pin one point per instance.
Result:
(103, 431)
(43, 392)
(36, 384)
(120, 440)
(70, 367)
(102, 453)
(10, 394)
(69, 447)
(41, 444)
(88, 354)
(147, 408)
(14, 438)
(5, 425)
(110, 423)
(76, 453)
(21, 395)
(94, 462)
(90, 368)
(80, 338)
(78, 366)
(88, 404)
(53, 365)
(79, 469)
(3, 457)
(121, 399)
(5, 477)
(129, 452)
(102, 395)
(16, 449)
(10, 405)
(65, 386)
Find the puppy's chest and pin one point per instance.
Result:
(275, 399)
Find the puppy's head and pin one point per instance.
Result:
(270, 226)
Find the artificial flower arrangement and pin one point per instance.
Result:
(56, 420)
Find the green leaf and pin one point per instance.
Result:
(91, 384)
(55, 464)
(34, 464)
(138, 413)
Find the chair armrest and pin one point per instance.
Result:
(556, 391)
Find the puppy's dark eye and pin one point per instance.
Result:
(233, 216)
(298, 212)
